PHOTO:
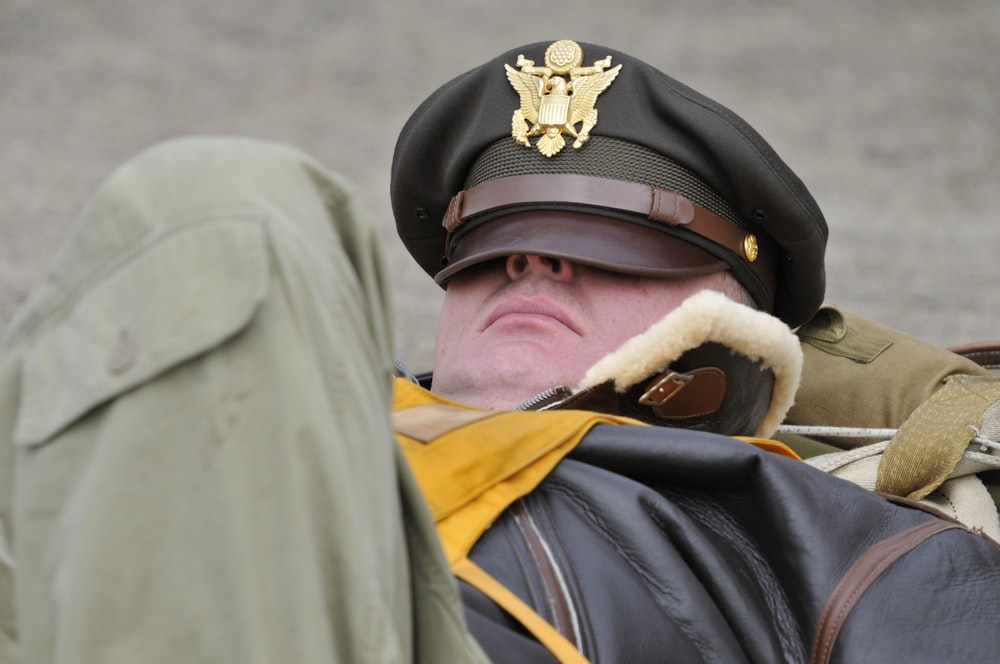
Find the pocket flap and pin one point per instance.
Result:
(182, 294)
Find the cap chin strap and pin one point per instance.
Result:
(711, 364)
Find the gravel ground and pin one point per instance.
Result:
(887, 110)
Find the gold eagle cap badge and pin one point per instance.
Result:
(558, 97)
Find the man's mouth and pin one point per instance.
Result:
(530, 307)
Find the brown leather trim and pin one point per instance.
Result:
(862, 574)
(557, 597)
(703, 394)
(985, 353)
(656, 204)
(516, 190)
(599, 398)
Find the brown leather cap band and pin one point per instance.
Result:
(655, 204)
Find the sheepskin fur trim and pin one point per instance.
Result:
(705, 317)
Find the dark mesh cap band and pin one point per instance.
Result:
(605, 157)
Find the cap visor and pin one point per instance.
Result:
(601, 242)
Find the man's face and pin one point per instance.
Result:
(511, 328)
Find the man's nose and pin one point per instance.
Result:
(520, 265)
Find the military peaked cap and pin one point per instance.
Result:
(583, 152)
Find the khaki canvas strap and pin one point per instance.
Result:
(931, 442)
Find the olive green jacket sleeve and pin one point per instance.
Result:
(195, 446)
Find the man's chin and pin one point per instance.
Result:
(507, 377)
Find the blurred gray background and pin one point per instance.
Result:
(888, 110)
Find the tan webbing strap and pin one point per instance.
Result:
(931, 442)
(546, 634)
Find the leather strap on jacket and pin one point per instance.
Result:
(671, 396)
(692, 393)
(861, 576)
